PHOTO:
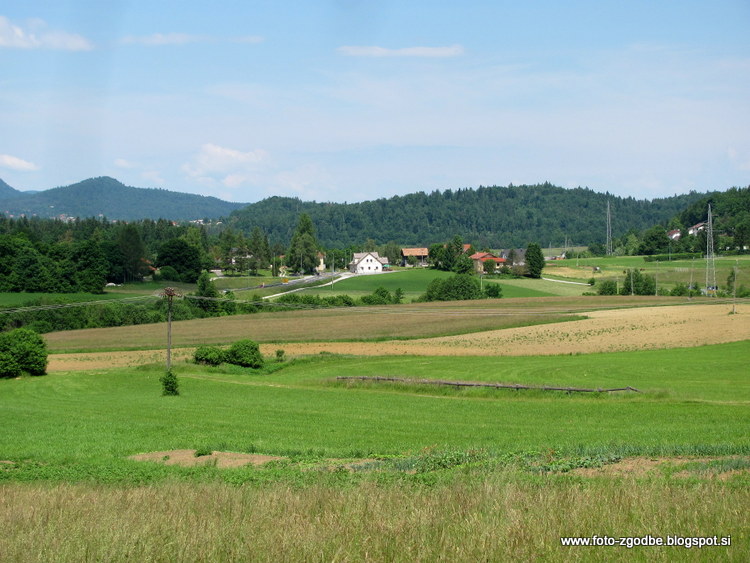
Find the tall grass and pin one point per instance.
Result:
(498, 518)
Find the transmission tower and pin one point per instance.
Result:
(710, 259)
(609, 231)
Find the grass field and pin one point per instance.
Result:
(302, 407)
(397, 472)
(344, 324)
(667, 273)
(71, 493)
(413, 282)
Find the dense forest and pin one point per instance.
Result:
(107, 197)
(49, 255)
(493, 217)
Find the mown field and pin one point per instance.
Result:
(413, 283)
(406, 321)
(387, 471)
(667, 273)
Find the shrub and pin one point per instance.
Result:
(27, 349)
(209, 355)
(280, 355)
(245, 353)
(455, 288)
(167, 273)
(169, 384)
(607, 287)
(493, 290)
(8, 365)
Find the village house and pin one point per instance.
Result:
(479, 258)
(368, 263)
(418, 256)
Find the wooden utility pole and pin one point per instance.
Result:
(169, 293)
(734, 289)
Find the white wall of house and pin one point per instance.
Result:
(368, 264)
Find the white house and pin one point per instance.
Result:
(368, 263)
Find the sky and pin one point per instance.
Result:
(353, 100)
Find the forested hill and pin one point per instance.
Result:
(7, 192)
(493, 217)
(114, 200)
(730, 210)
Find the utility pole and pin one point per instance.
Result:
(690, 287)
(734, 289)
(170, 293)
(710, 259)
(609, 231)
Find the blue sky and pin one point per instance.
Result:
(347, 100)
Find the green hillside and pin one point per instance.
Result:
(495, 217)
(107, 197)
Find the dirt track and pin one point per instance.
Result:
(603, 331)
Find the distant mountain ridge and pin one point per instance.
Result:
(105, 196)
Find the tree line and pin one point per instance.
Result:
(494, 217)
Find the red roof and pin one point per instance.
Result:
(484, 256)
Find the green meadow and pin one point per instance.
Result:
(84, 425)
(441, 473)
(414, 282)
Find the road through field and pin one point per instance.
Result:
(602, 331)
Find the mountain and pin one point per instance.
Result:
(114, 200)
(6, 192)
(494, 217)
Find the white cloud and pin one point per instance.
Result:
(158, 39)
(220, 165)
(374, 51)
(35, 36)
(122, 163)
(15, 163)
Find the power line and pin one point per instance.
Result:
(71, 305)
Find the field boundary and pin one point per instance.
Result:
(515, 386)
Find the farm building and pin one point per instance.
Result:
(368, 263)
(418, 254)
(479, 258)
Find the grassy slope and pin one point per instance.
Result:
(95, 419)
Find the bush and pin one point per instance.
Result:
(167, 273)
(607, 287)
(169, 384)
(209, 355)
(493, 291)
(245, 353)
(8, 365)
(455, 288)
(27, 349)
